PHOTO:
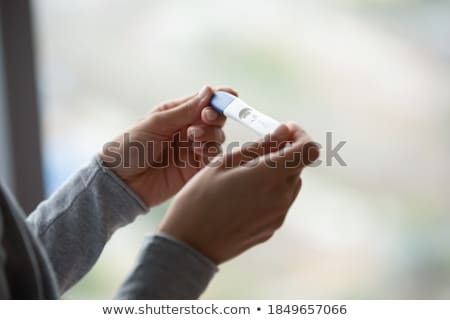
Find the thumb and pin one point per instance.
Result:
(249, 152)
(186, 113)
(302, 152)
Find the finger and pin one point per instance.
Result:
(174, 103)
(212, 117)
(227, 89)
(254, 150)
(205, 133)
(207, 151)
(295, 187)
(303, 144)
(171, 104)
(294, 157)
(169, 120)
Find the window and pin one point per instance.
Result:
(374, 73)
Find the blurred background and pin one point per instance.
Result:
(375, 73)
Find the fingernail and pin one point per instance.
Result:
(203, 93)
(195, 132)
(211, 115)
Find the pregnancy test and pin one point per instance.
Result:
(234, 108)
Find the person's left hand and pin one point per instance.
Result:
(158, 155)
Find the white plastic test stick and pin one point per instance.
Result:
(236, 109)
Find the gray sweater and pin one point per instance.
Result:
(44, 255)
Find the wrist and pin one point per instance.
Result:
(124, 179)
(189, 241)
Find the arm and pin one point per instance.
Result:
(96, 202)
(75, 223)
(203, 217)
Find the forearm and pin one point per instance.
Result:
(78, 219)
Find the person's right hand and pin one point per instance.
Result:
(240, 201)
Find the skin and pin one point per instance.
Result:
(224, 208)
(185, 117)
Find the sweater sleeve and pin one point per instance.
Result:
(167, 269)
(75, 223)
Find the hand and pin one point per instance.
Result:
(243, 198)
(156, 157)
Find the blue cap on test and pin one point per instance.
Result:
(220, 100)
